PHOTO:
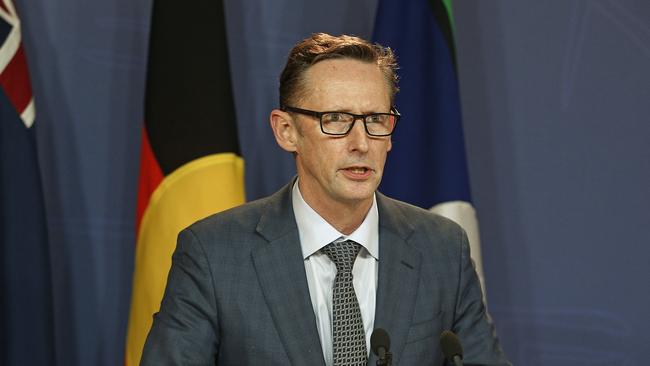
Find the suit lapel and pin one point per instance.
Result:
(281, 274)
(399, 273)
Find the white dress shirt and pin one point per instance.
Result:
(315, 233)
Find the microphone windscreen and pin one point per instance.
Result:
(378, 339)
(450, 345)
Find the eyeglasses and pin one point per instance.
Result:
(341, 123)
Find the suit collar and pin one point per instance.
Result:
(392, 218)
(277, 219)
(315, 232)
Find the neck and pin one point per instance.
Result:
(345, 217)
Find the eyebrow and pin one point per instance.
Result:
(345, 110)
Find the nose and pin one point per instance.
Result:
(358, 137)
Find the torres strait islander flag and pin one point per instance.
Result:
(26, 310)
(190, 163)
(427, 166)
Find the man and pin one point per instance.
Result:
(304, 276)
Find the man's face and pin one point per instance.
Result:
(341, 169)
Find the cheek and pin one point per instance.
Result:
(314, 157)
(382, 151)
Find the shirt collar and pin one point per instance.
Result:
(316, 233)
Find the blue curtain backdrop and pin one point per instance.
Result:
(555, 110)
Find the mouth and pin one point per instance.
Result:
(357, 172)
(358, 169)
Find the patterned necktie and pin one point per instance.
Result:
(349, 335)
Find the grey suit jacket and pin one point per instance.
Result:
(237, 291)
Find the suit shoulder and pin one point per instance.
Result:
(439, 240)
(420, 218)
(242, 217)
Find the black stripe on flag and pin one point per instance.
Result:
(189, 107)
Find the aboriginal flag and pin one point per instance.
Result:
(26, 306)
(190, 160)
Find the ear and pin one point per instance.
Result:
(284, 129)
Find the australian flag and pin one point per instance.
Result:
(26, 318)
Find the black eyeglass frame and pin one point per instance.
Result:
(362, 117)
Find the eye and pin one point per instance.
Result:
(334, 117)
(376, 118)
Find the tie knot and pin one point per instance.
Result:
(342, 253)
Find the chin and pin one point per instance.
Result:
(359, 194)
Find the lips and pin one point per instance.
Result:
(357, 172)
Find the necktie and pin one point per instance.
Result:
(349, 335)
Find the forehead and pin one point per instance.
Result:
(346, 84)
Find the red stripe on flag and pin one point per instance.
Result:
(3, 6)
(15, 81)
(150, 176)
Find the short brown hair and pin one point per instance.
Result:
(322, 46)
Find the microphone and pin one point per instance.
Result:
(380, 344)
(451, 347)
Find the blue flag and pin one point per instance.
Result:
(427, 165)
(26, 311)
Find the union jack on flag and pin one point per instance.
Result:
(14, 78)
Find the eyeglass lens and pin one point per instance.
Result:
(340, 123)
